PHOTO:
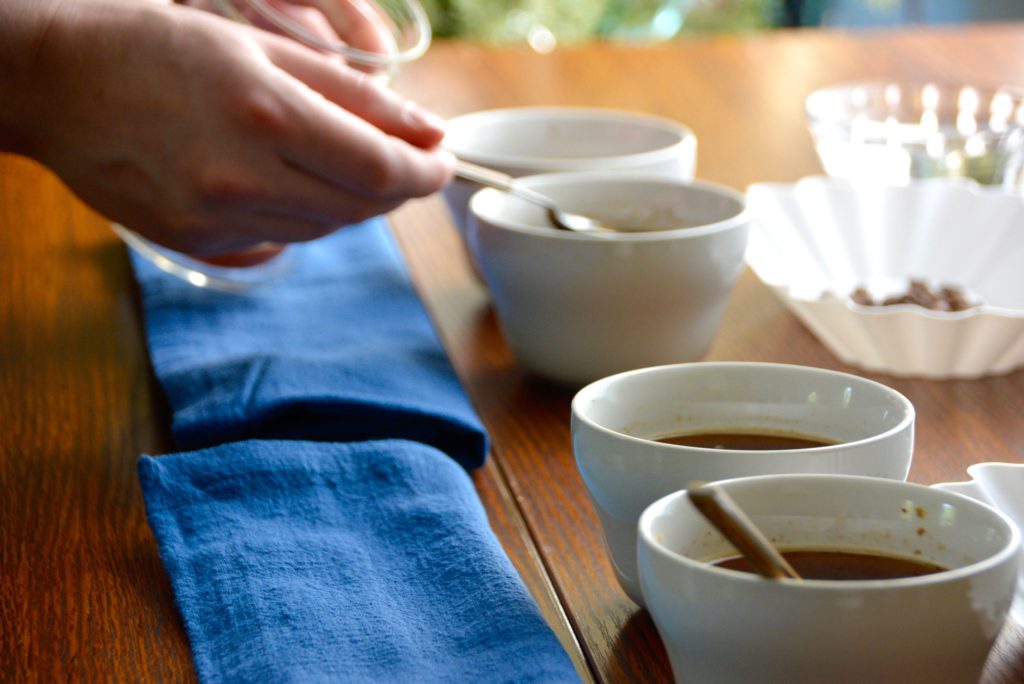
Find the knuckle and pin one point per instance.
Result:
(384, 175)
(261, 113)
(366, 88)
(220, 186)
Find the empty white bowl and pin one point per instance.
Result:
(722, 626)
(616, 420)
(524, 141)
(815, 241)
(575, 307)
(1000, 485)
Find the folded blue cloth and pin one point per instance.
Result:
(338, 349)
(297, 559)
(362, 562)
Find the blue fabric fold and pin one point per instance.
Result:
(372, 561)
(329, 531)
(337, 349)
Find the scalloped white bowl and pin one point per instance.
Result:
(815, 241)
(1000, 485)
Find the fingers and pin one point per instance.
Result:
(234, 209)
(239, 233)
(249, 228)
(360, 94)
(308, 146)
(341, 148)
(288, 190)
(253, 256)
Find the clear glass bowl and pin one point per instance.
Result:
(220, 274)
(373, 36)
(897, 132)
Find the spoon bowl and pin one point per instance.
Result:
(563, 220)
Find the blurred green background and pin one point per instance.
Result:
(572, 20)
(544, 23)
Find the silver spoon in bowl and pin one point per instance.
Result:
(564, 220)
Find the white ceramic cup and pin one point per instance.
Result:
(575, 307)
(524, 141)
(616, 420)
(727, 627)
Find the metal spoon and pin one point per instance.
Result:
(728, 518)
(565, 220)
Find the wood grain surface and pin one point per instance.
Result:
(83, 596)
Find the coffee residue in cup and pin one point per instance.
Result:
(830, 564)
(941, 298)
(747, 441)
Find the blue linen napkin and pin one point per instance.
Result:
(309, 561)
(338, 349)
(361, 562)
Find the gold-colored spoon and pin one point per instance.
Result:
(724, 513)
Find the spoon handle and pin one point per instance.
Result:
(728, 518)
(491, 178)
(481, 175)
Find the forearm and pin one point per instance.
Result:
(23, 28)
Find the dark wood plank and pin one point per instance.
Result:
(84, 596)
(438, 268)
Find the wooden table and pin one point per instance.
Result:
(83, 595)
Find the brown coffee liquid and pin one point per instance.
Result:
(747, 441)
(843, 565)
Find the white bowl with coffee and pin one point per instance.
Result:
(899, 583)
(630, 434)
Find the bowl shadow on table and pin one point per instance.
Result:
(501, 368)
(1005, 663)
(637, 653)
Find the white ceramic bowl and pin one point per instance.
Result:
(575, 307)
(722, 626)
(815, 241)
(1000, 485)
(615, 421)
(524, 141)
(895, 132)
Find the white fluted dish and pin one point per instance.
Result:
(815, 241)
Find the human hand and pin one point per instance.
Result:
(210, 137)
